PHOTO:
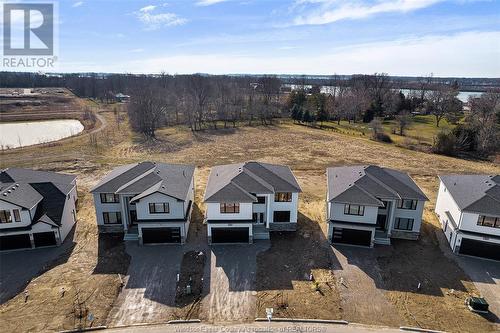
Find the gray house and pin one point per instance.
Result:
(37, 208)
(244, 201)
(369, 205)
(150, 202)
(468, 207)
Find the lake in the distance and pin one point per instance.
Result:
(27, 133)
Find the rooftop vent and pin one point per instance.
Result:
(9, 191)
(4, 194)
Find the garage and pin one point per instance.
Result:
(45, 239)
(352, 236)
(478, 248)
(161, 235)
(230, 235)
(15, 242)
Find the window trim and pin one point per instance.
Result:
(496, 221)
(118, 215)
(104, 198)
(223, 207)
(360, 209)
(414, 204)
(166, 208)
(283, 197)
(397, 223)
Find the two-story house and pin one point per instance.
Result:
(244, 201)
(37, 208)
(468, 207)
(369, 205)
(148, 201)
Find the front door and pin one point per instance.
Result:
(381, 219)
(258, 218)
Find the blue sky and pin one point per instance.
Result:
(400, 37)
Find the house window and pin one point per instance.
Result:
(281, 216)
(112, 217)
(159, 208)
(403, 224)
(5, 216)
(407, 204)
(261, 200)
(110, 198)
(489, 221)
(17, 215)
(283, 197)
(229, 208)
(354, 210)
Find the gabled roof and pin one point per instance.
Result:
(475, 193)
(239, 182)
(369, 184)
(146, 178)
(27, 188)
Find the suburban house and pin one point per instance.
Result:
(150, 202)
(37, 208)
(244, 201)
(468, 207)
(369, 205)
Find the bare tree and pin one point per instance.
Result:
(146, 110)
(443, 102)
(404, 121)
(483, 117)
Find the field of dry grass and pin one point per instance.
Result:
(307, 151)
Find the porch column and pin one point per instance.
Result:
(392, 213)
(32, 240)
(268, 209)
(123, 204)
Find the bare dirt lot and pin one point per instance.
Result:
(391, 279)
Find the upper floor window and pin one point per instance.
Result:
(159, 208)
(283, 197)
(227, 208)
(407, 204)
(354, 210)
(5, 216)
(489, 221)
(261, 200)
(403, 223)
(110, 198)
(112, 217)
(17, 215)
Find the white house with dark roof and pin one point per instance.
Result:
(468, 207)
(150, 202)
(37, 208)
(369, 205)
(245, 201)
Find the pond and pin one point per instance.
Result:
(21, 134)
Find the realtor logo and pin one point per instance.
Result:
(28, 29)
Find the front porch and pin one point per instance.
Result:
(260, 231)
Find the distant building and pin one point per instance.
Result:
(37, 208)
(468, 207)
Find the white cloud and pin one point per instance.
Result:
(152, 20)
(330, 11)
(473, 54)
(209, 2)
(77, 4)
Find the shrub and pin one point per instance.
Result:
(445, 143)
(382, 137)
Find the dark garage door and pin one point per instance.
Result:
(352, 236)
(161, 235)
(14, 242)
(45, 239)
(230, 235)
(477, 248)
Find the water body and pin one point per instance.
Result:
(22, 134)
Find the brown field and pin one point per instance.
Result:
(308, 152)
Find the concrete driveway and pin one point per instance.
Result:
(149, 291)
(231, 283)
(486, 277)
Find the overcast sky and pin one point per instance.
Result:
(399, 37)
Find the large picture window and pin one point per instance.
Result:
(5, 216)
(489, 221)
(407, 204)
(110, 198)
(112, 217)
(281, 216)
(283, 197)
(159, 208)
(403, 223)
(354, 210)
(229, 208)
